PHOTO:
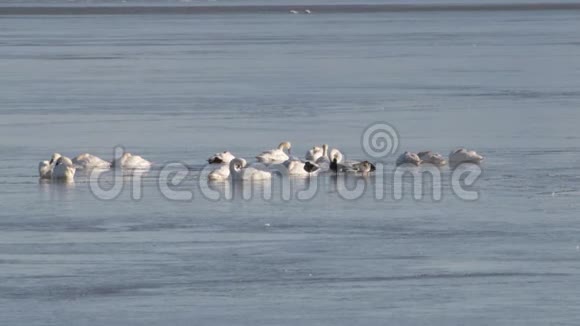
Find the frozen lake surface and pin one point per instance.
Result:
(177, 88)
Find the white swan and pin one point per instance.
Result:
(130, 161)
(336, 154)
(323, 159)
(463, 155)
(64, 170)
(45, 167)
(240, 171)
(88, 161)
(308, 11)
(299, 168)
(329, 157)
(409, 158)
(314, 153)
(223, 157)
(220, 174)
(432, 158)
(275, 155)
(293, 11)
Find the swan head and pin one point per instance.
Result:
(335, 154)
(285, 145)
(63, 160)
(54, 158)
(237, 164)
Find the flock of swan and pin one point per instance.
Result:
(317, 159)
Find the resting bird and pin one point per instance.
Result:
(224, 157)
(462, 155)
(88, 161)
(275, 155)
(408, 158)
(64, 170)
(432, 158)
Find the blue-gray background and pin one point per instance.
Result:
(180, 87)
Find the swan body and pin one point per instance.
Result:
(463, 155)
(240, 171)
(275, 155)
(336, 154)
(220, 174)
(130, 161)
(408, 158)
(221, 158)
(45, 167)
(432, 158)
(64, 170)
(88, 161)
(45, 170)
(362, 167)
(314, 153)
(299, 168)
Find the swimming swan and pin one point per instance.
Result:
(88, 161)
(299, 168)
(409, 158)
(220, 174)
(221, 158)
(275, 155)
(240, 171)
(432, 158)
(45, 167)
(462, 155)
(314, 153)
(130, 161)
(64, 170)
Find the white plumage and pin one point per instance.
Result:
(463, 155)
(220, 174)
(130, 161)
(88, 161)
(64, 170)
(240, 171)
(275, 155)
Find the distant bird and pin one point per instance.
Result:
(219, 158)
(220, 174)
(88, 161)
(308, 11)
(45, 167)
(64, 170)
(432, 158)
(363, 167)
(275, 155)
(130, 161)
(240, 171)
(463, 155)
(293, 11)
(299, 168)
(408, 158)
(314, 153)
